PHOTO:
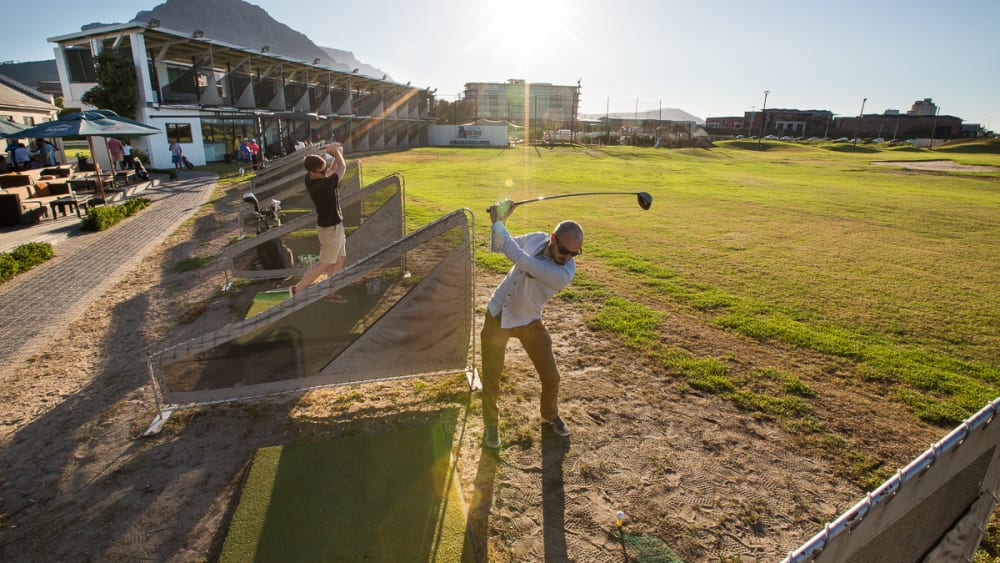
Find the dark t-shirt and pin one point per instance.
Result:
(323, 192)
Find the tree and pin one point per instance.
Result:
(443, 111)
(116, 88)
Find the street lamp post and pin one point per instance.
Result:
(763, 116)
(861, 116)
(934, 127)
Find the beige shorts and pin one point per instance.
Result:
(332, 243)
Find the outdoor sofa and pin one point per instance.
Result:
(25, 197)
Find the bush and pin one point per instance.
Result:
(32, 254)
(23, 258)
(102, 218)
(9, 267)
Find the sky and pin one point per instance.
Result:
(710, 58)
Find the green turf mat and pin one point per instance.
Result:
(650, 549)
(265, 300)
(390, 496)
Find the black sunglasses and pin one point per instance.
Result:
(562, 249)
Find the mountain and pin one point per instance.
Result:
(249, 26)
(31, 73)
(352, 63)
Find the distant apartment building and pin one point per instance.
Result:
(921, 121)
(729, 123)
(923, 107)
(209, 94)
(529, 104)
(788, 122)
(899, 126)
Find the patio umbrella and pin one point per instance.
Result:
(101, 122)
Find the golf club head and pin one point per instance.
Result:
(645, 200)
(250, 198)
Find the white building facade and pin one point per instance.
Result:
(208, 95)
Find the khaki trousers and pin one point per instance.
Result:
(538, 344)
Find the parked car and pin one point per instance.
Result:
(770, 138)
(878, 140)
(842, 140)
(786, 138)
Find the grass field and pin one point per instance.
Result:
(893, 271)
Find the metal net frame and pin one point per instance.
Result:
(934, 509)
(409, 314)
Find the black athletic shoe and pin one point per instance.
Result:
(558, 426)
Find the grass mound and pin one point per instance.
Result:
(753, 145)
(848, 147)
(991, 146)
(387, 496)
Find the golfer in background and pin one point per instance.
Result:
(323, 176)
(543, 264)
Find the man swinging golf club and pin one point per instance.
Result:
(543, 264)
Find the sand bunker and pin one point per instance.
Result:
(937, 166)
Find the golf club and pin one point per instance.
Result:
(645, 200)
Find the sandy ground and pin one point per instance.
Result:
(937, 166)
(78, 483)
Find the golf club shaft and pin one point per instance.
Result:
(544, 198)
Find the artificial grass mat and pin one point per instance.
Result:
(387, 496)
(264, 300)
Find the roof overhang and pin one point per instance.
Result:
(184, 47)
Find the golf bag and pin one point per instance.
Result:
(187, 163)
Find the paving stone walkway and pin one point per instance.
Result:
(39, 303)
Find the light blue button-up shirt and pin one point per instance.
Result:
(533, 280)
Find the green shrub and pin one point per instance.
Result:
(103, 217)
(135, 205)
(23, 258)
(8, 267)
(32, 254)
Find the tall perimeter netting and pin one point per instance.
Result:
(409, 313)
(935, 509)
(373, 218)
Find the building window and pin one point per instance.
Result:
(180, 132)
(29, 121)
(81, 65)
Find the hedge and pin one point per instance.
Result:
(103, 217)
(23, 258)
